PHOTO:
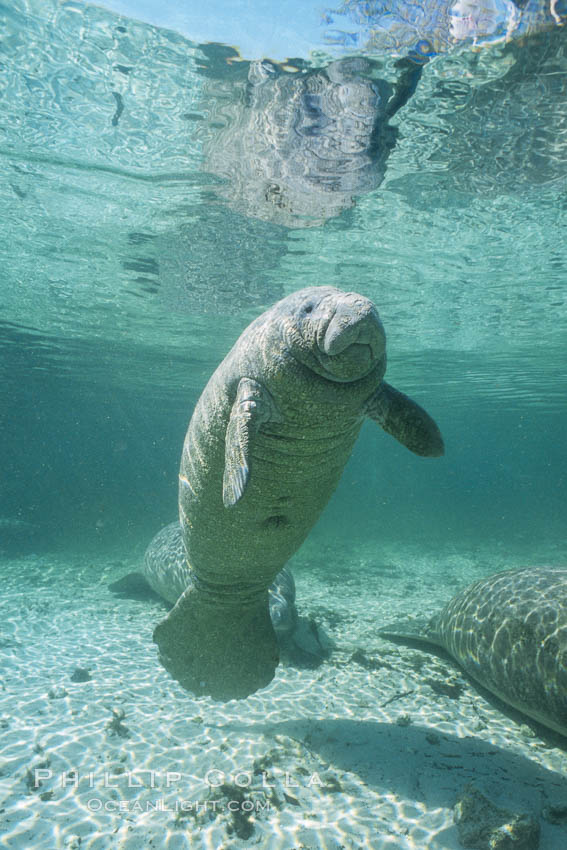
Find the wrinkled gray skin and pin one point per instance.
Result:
(264, 451)
(509, 632)
(168, 574)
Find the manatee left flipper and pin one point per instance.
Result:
(252, 407)
(405, 420)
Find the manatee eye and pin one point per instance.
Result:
(308, 308)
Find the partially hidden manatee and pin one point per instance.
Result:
(167, 572)
(264, 451)
(509, 633)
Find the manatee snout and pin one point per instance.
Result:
(355, 322)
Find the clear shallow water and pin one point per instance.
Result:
(142, 232)
(133, 255)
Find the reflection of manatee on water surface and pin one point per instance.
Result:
(509, 633)
(299, 146)
(264, 451)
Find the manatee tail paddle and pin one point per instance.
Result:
(226, 651)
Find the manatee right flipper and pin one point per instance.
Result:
(405, 420)
(252, 407)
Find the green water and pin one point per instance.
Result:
(129, 268)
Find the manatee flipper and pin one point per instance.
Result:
(133, 586)
(411, 70)
(411, 631)
(207, 646)
(252, 407)
(308, 646)
(405, 420)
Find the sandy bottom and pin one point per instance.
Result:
(370, 750)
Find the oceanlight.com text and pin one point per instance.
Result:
(95, 804)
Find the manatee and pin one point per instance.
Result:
(509, 633)
(264, 451)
